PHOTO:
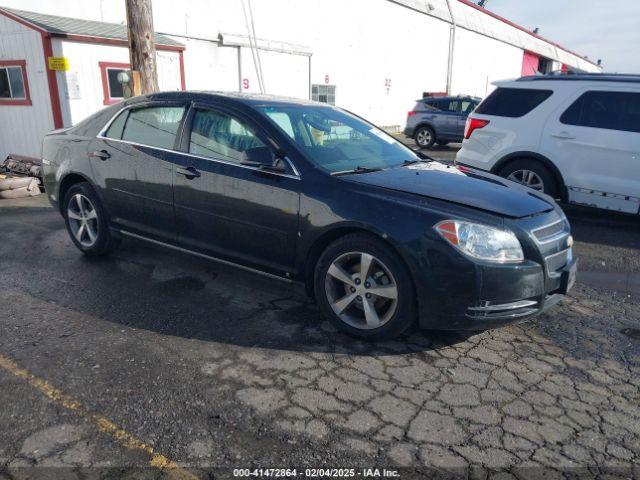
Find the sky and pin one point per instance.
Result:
(600, 29)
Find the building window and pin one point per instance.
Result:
(324, 93)
(111, 87)
(14, 86)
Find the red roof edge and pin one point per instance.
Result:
(519, 27)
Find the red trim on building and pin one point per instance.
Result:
(52, 79)
(183, 83)
(26, 101)
(107, 100)
(515, 25)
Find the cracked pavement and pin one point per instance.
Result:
(220, 369)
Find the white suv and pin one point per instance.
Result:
(575, 137)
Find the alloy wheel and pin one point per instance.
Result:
(424, 137)
(83, 220)
(527, 178)
(361, 290)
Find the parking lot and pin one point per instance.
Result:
(152, 363)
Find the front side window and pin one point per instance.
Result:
(608, 110)
(337, 141)
(512, 102)
(14, 88)
(218, 135)
(152, 126)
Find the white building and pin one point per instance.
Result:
(373, 57)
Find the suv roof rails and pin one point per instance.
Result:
(575, 76)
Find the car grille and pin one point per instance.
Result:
(557, 261)
(551, 232)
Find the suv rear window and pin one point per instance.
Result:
(512, 102)
(610, 110)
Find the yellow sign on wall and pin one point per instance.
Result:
(58, 63)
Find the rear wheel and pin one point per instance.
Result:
(533, 174)
(425, 137)
(364, 289)
(86, 221)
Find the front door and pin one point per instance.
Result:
(594, 139)
(132, 163)
(227, 209)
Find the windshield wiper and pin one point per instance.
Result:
(357, 170)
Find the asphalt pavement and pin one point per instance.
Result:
(154, 364)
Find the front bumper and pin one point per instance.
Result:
(500, 295)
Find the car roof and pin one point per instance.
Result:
(250, 99)
(584, 77)
(447, 97)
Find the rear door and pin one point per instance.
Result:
(229, 210)
(132, 160)
(594, 139)
(447, 119)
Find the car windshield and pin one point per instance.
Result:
(336, 141)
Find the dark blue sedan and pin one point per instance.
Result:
(307, 193)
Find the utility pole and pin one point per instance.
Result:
(142, 49)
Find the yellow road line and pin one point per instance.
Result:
(102, 423)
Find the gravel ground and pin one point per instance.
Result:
(217, 369)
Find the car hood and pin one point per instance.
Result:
(473, 189)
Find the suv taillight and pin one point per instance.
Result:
(411, 113)
(473, 124)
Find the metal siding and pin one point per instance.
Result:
(84, 61)
(22, 127)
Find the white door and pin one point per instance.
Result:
(594, 139)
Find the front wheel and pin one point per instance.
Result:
(86, 221)
(364, 289)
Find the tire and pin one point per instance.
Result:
(442, 143)
(425, 137)
(345, 287)
(82, 206)
(533, 174)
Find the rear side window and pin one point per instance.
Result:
(153, 126)
(512, 102)
(117, 126)
(609, 110)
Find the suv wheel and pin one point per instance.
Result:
(86, 221)
(425, 137)
(364, 289)
(532, 174)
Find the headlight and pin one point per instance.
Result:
(481, 241)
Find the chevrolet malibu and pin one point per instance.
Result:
(382, 238)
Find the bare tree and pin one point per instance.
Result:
(142, 49)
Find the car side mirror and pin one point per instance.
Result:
(262, 158)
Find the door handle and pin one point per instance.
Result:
(101, 154)
(189, 172)
(563, 135)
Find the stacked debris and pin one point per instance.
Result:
(22, 178)
(18, 187)
(23, 165)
